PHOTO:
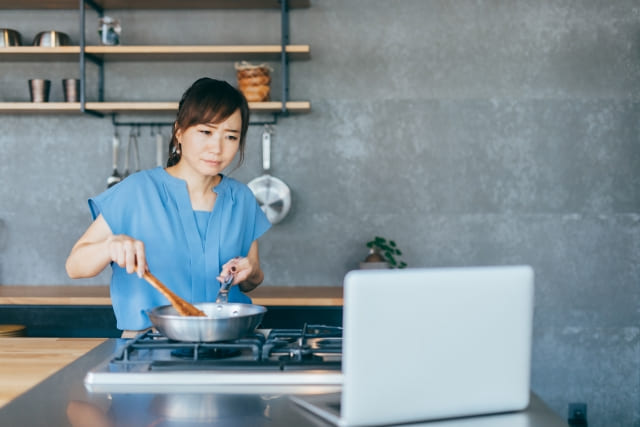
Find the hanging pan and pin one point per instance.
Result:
(273, 195)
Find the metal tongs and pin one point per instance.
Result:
(223, 293)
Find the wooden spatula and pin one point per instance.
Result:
(182, 306)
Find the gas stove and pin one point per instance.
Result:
(306, 360)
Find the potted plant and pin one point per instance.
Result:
(383, 253)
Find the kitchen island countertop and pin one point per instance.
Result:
(99, 295)
(61, 399)
(25, 362)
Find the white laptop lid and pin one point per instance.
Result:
(449, 342)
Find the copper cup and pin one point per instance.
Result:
(39, 90)
(71, 90)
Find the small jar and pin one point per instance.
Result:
(109, 30)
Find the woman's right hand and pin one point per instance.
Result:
(128, 253)
(98, 247)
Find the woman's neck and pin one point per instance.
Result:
(199, 186)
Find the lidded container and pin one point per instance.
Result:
(109, 30)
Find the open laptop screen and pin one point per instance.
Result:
(424, 344)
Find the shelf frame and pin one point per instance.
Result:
(284, 58)
(83, 59)
(98, 54)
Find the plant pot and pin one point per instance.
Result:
(374, 265)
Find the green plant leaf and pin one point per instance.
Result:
(388, 249)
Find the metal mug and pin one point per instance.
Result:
(39, 90)
(71, 90)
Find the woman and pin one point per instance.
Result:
(188, 224)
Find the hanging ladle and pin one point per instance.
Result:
(115, 175)
(132, 149)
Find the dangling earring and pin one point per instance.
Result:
(179, 149)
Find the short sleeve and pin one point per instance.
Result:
(261, 222)
(114, 204)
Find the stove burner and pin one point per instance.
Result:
(326, 343)
(280, 360)
(305, 344)
(205, 353)
(300, 356)
(313, 344)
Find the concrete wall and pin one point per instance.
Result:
(472, 132)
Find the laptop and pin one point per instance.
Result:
(458, 344)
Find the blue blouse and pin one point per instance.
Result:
(154, 207)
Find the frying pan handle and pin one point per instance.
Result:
(266, 150)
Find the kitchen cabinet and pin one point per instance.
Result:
(101, 55)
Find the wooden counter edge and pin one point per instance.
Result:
(99, 295)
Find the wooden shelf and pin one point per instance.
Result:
(39, 107)
(36, 53)
(154, 53)
(197, 53)
(274, 107)
(172, 107)
(154, 4)
(133, 107)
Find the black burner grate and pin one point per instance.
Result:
(295, 347)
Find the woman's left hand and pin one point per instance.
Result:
(241, 269)
(246, 271)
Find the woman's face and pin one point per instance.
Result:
(210, 148)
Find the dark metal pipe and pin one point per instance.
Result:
(284, 59)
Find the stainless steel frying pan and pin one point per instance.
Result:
(223, 322)
(272, 194)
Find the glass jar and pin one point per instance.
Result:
(109, 31)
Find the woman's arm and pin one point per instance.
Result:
(98, 246)
(256, 276)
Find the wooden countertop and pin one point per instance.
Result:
(25, 362)
(99, 295)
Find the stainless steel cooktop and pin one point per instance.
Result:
(306, 360)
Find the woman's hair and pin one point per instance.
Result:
(208, 101)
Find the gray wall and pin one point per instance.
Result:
(472, 132)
